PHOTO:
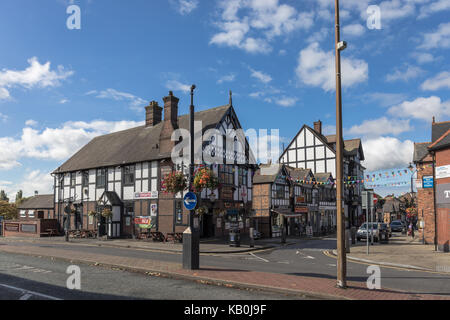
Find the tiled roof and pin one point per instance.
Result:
(267, 173)
(44, 201)
(438, 129)
(133, 145)
(420, 151)
(443, 141)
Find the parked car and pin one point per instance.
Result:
(397, 226)
(363, 232)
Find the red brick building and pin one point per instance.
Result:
(440, 150)
(432, 207)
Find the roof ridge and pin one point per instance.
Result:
(439, 139)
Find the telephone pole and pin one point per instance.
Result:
(341, 251)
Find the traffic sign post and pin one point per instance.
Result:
(191, 238)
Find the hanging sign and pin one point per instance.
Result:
(146, 195)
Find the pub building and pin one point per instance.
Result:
(35, 218)
(123, 171)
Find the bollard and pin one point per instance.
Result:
(353, 232)
(67, 236)
(252, 237)
(347, 241)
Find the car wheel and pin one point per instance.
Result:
(358, 239)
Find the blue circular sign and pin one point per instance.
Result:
(190, 201)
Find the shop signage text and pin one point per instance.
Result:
(443, 172)
(427, 182)
(146, 195)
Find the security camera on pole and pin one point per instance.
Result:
(191, 241)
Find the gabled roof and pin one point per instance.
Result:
(442, 142)
(420, 151)
(391, 205)
(267, 173)
(351, 146)
(44, 201)
(111, 197)
(133, 145)
(323, 177)
(299, 173)
(438, 129)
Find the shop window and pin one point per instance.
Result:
(280, 191)
(73, 179)
(101, 178)
(128, 172)
(226, 174)
(243, 177)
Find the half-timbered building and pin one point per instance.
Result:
(123, 171)
(310, 149)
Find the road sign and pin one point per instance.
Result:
(427, 182)
(190, 201)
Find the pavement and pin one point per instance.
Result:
(311, 287)
(403, 252)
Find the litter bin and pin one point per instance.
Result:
(235, 238)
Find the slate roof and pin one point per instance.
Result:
(420, 151)
(438, 129)
(322, 177)
(351, 146)
(44, 201)
(133, 145)
(267, 173)
(298, 173)
(442, 142)
(391, 205)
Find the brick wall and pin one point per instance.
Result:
(425, 204)
(261, 204)
(443, 214)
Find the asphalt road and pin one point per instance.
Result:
(30, 278)
(305, 258)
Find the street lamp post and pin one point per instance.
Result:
(191, 241)
(341, 257)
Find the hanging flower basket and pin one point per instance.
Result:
(174, 182)
(92, 213)
(205, 178)
(107, 213)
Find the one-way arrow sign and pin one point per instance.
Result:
(190, 201)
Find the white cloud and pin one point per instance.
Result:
(438, 39)
(286, 101)
(423, 57)
(63, 101)
(136, 103)
(386, 99)
(184, 6)
(380, 127)
(260, 23)
(422, 108)
(3, 117)
(261, 76)
(387, 152)
(354, 30)
(175, 85)
(227, 78)
(317, 68)
(36, 75)
(404, 75)
(31, 123)
(55, 143)
(437, 6)
(35, 180)
(442, 80)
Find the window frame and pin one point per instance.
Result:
(97, 180)
(129, 170)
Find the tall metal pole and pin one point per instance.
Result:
(341, 258)
(191, 241)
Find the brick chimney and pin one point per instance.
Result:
(318, 127)
(170, 123)
(153, 114)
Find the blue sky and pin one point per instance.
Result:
(59, 88)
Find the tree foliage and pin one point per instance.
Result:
(8, 210)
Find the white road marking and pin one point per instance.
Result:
(26, 296)
(284, 262)
(259, 257)
(332, 265)
(28, 292)
(309, 257)
(31, 269)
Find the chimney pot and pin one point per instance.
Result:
(153, 114)
(318, 127)
(434, 119)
